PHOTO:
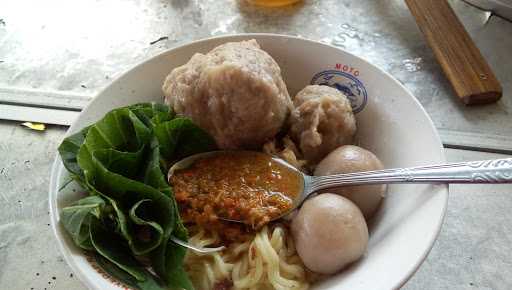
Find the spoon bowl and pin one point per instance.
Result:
(294, 198)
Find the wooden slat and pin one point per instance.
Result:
(471, 77)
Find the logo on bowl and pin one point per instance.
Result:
(346, 83)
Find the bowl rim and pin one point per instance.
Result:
(57, 166)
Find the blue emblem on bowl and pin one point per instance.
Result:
(346, 83)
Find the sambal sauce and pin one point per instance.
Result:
(240, 185)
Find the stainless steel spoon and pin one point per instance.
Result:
(486, 171)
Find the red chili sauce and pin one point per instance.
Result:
(240, 185)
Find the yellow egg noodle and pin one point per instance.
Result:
(268, 261)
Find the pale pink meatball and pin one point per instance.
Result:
(235, 92)
(329, 233)
(348, 159)
(321, 121)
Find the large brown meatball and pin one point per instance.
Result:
(348, 159)
(235, 92)
(321, 121)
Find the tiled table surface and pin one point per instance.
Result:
(61, 57)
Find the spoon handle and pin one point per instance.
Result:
(486, 171)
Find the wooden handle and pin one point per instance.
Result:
(466, 69)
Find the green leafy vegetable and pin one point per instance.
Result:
(113, 248)
(68, 151)
(122, 160)
(152, 114)
(149, 284)
(150, 232)
(76, 219)
(174, 256)
(180, 138)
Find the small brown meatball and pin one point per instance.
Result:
(329, 233)
(348, 159)
(235, 92)
(321, 121)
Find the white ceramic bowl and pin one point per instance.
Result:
(391, 123)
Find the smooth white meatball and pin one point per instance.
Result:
(235, 92)
(329, 233)
(321, 121)
(348, 159)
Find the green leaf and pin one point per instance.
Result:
(179, 279)
(168, 258)
(153, 175)
(117, 141)
(180, 138)
(149, 284)
(181, 233)
(76, 219)
(120, 129)
(127, 164)
(68, 151)
(111, 247)
(65, 183)
(124, 193)
(84, 159)
(167, 261)
(152, 114)
(140, 214)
